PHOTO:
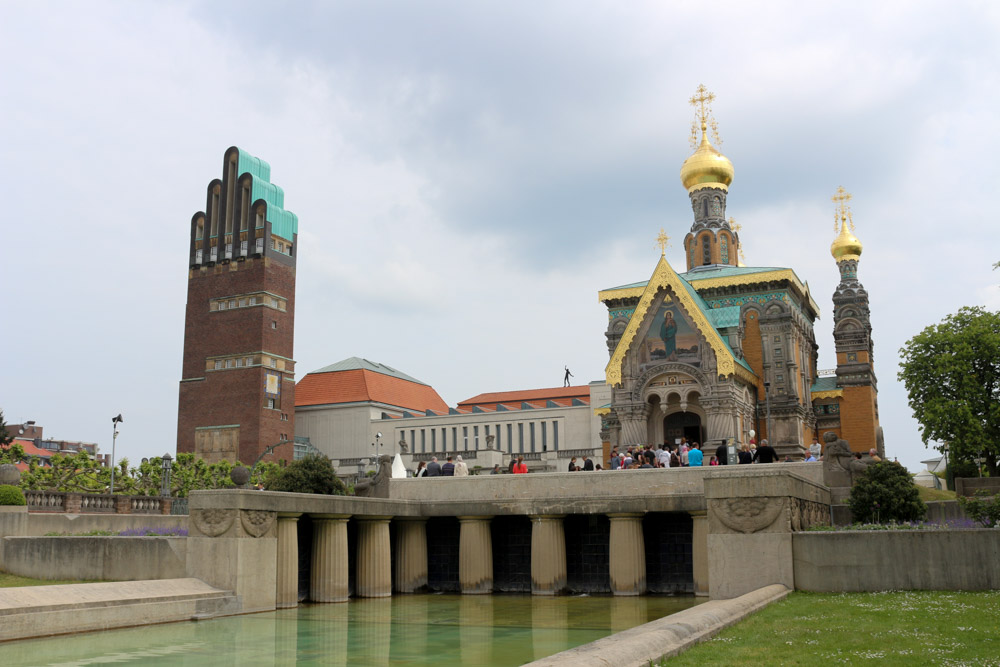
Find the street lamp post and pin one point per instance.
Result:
(115, 421)
(165, 477)
(378, 444)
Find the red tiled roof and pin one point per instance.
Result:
(29, 448)
(361, 385)
(512, 400)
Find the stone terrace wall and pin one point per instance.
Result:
(854, 561)
(95, 558)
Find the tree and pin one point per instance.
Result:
(312, 474)
(5, 438)
(886, 493)
(951, 372)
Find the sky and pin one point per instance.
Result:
(468, 176)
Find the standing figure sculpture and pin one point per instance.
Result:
(566, 377)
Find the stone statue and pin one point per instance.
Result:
(836, 461)
(489, 441)
(403, 447)
(377, 486)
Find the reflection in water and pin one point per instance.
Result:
(405, 629)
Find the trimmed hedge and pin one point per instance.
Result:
(11, 495)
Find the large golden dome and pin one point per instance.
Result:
(846, 245)
(707, 167)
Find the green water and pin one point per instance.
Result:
(406, 629)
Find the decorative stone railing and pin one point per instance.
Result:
(570, 453)
(95, 503)
(468, 455)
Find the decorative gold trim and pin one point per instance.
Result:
(829, 393)
(601, 411)
(664, 276)
(626, 293)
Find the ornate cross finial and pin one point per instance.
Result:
(842, 208)
(663, 241)
(735, 226)
(702, 102)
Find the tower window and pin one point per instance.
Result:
(274, 325)
(704, 208)
(706, 250)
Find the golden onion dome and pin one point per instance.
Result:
(706, 167)
(846, 245)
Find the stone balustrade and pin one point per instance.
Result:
(95, 503)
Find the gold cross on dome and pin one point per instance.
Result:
(842, 208)
(735, 226)
(663, 241)
(702, 99)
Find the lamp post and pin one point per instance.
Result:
(115, 421)
(767, 408)
(165, 477)
(378, 444)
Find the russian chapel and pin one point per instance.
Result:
(726, 352)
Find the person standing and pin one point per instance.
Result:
(873, 453)
(695, 457)
(766, 453)
(816, 449)
(513, 462)
(496, 470)
(520, 468)
(421, 470)
(434, 468)
(587, 463)
(448, 469)
(461, 470)
(616, 460)
(572, 464)
(744, 454)
(722, 454)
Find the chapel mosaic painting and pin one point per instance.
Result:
(670, 337)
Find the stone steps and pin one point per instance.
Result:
(38, 611)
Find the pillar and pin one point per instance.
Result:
(328, 575)
(548, 555)
(475, 555)
(699, 551)
(411, 554)
(627, 555)
(374, 562)
(287, 588)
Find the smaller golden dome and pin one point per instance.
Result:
(706, 167)
(846, 245)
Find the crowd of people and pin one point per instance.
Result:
(637, 457)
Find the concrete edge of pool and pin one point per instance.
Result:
(667, 636)
(39, 611)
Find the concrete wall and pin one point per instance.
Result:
(42, 524)
(897, 560)
(105, 558)
(967, 486)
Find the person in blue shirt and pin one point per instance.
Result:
(695, 457)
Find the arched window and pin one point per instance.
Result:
(704, 208)
(706, 249)
(724, 248)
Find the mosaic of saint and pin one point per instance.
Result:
(670, 337)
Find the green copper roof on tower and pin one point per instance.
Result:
(283, 223)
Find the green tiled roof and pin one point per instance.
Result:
(727, 271)
(824, 384)
(283, 223)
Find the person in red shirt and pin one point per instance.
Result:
(520, 468)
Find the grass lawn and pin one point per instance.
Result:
(898, 628)
(13, 581)
(935, 494)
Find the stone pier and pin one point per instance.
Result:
(475, 555)
(287, 590)
(374, 561)
(410, 560)
(548, 555)
(627, 554)
(699, 551)
(328, 574)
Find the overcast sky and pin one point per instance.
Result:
(467, 176)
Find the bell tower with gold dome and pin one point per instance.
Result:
(852, 335)
(706, 175)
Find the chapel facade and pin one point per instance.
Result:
(726, 352)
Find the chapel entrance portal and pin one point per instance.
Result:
(686, 424)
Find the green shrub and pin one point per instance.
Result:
(11, 495)
(982, 508)
(312, 474)
(885, 493)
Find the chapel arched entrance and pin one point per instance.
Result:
(683, 424)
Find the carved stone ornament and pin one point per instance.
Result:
(796, 513)
(256, 522)
(748, 515)
(212, 523)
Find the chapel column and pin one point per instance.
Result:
(627, 555)
(374, 561)
(328, 575)
(475, 554)
(548, 555)
(699, 551)
(411, 554)
(634, 419)
(287, 580)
